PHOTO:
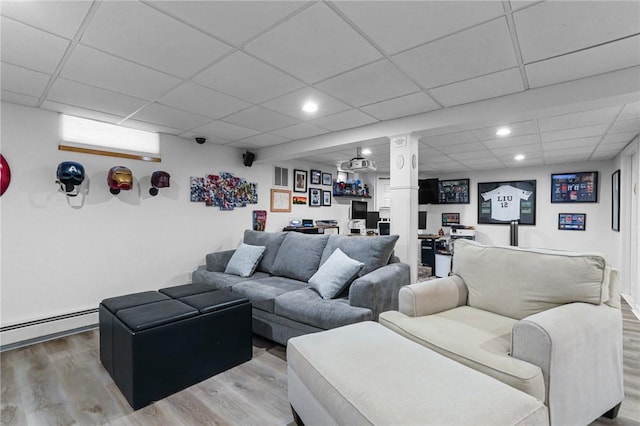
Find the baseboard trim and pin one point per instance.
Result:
(48, 337)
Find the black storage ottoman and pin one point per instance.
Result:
(154, 344)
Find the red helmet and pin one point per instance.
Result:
(118, 178)
(5, 174)
(159, 179)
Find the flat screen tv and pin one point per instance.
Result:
(428, 191)
(572, 221)
(454, 191)
(580, 187)
(449, 219)
(372, 220)
(358, 210)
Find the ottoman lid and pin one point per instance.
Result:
(114, 304)
(186, 290)
(154, 314)
(213, 301)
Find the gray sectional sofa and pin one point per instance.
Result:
(285, 305)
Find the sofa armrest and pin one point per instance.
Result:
(433, 296)
(217, 262)
(378, 290)
(578, 346)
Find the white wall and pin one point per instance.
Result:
(57, 259)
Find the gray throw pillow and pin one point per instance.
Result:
(374, 252)
(335, 274)
(270, 240)
(244, 260)
(299, 256)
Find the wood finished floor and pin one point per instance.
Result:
(61, 382)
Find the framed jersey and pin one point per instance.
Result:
(504, 202)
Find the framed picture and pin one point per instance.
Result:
(572, 221)
(316, 176)
(503, 202)
(315, 197)
(581, 187)
(299, 180)
(327, 179)
(326, 198)
(615, 201)
(280, 200)
(297, 199)
(455, 191)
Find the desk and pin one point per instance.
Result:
(313, 229)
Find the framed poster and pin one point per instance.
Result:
(453, 191)
(280, 200)
(503, 202)
(326, 198)
(572, 221)
(581, 187)
(315, 197)
(299, 180)
(615, 201)
(316, 177)
(327, 179)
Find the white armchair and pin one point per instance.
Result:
(545, 322)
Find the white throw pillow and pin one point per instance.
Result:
(244, 260)
(335, 274)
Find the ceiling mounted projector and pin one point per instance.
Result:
(359, 164)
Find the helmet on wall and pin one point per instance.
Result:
(119, 178)
(69, 176)
(5, 174)
(159, 179)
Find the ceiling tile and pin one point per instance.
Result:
(232, 21)
(622, 126)
(479, 88)
(597, 60)
(162, 42)
(578, 119)
(314, 45)
(403, 106)
(344, 120)
(580, 132)
(291, 104)
(569, 143)
(527, 162)
(300, 131)
(483, 163)
(369, 84)
(30, 48)
(227, 131)
(481, 50)
(23, 81)
(150, 127)
(261, 119)
(511, 141)
(448, 139)
(520, 128)
(609, 148)
(509, 152)
(100, 69)
(203, 101)
(265, 139)
(210, 139)
(81, 112)
(630, 111)
(480, 154)
(62, 18)
(247, 78)
(17, 98)
(578, 150)
(554, 28)
(464, 147)
(619, 138)
(80, 95)
(399, 25)
(171, 117)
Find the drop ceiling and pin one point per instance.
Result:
(238, 72)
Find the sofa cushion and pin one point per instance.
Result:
(244, 260)
(262, 292)
(306, 306)
(335, 274)
(518, 282)
(374, 252)
(271, 242)
(299, 255)
(478, 339)
(220, 280)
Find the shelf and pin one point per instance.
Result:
(351, 196)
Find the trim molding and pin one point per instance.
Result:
(46, 320)
(109, 153)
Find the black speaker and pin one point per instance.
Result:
(247, 158)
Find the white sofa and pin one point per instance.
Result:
(545, 322)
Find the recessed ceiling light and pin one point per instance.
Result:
(503, 131)
(310, 106)
(519, 157)
(366, 151)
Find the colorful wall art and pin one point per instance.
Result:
(225, 191)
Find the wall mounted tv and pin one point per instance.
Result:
(428, 191)
(580, 187)
(358, 210)
(453, 191)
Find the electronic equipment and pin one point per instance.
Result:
(295, 222)
(372, 220)
(358, 210)
(384, 227)
(307, 222)
(579, 187)
(422, 223)
(327, 222)
(248, 158)
(428, 191)
(449, 219)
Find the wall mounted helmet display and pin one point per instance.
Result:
(70, 176)
(119, 178)
(159, 179)
(5, 175)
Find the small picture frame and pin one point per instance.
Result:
(327, 179)
(326, 198)
(299, 180)
(280, 200)
(316, 176)
(315, 197)
(572, 221)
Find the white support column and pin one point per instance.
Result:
(404, 199)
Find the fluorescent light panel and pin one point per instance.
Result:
(104, 135)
